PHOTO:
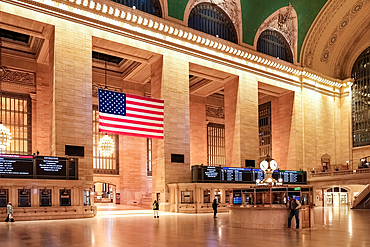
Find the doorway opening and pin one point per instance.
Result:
(104, 192)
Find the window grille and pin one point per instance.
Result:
(216, 144)
(264, 124)
(209, 18)
(103, 164)
(361, 100)
(17, 117)
(152, 7)
(274, 44)
(149, 156)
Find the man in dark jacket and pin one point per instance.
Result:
(155, 209)
(294, 206)
(214, 206)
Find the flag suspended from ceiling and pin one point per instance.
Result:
(126, 114)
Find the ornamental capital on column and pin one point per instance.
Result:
(33, 97)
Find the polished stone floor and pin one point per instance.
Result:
(333, 227)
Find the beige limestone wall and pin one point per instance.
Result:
(170, 82)
(241, 120)
(198, 130)
(72, 93)
(42, 111)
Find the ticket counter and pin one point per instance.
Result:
(265, 207)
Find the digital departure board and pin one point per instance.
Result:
(38, 167)
(292, 177)
(236, 174)
(217, 174)
(16, 166)
(51, 167)
(211, 173)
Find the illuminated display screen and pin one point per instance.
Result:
(51, 166)
(243, 175)
(16, 166)
(212, 173)
(40, 167)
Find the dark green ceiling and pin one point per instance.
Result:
(254, 12)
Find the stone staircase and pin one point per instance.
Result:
(362, 200)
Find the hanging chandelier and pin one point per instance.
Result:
(5, 135)
(106, 145)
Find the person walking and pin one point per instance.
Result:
(155, 209)
(294, 206)
(10, 212)
(214, 206)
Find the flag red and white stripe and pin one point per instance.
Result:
(143, 118)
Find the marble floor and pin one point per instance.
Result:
(333, 227)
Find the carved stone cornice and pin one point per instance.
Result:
(96, 86)
(16, 76)
(231, 8)
(318, 28)
(338, 30)
(215, 111)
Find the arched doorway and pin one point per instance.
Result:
(104, 192)
(337, 196)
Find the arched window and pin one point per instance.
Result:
(152, 7)
(274, 44)
(361, 100)
(209, 18)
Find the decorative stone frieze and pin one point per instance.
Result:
(16, 76)
(95, 88)
(215, 111)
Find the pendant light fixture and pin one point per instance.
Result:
(5, 135)
(106, 144)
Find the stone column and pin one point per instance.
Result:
(72, 94)
(241, 121)
(170, 82)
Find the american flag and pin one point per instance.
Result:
(132, 115)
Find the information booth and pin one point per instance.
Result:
(263, 207)
(234, 186)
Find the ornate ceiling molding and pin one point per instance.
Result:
(338, 30)
(342, 68)
(317, 29)
(285, 22)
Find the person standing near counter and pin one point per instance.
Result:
(214, 206)
(294, 206)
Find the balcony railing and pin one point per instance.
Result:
(332, 173)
